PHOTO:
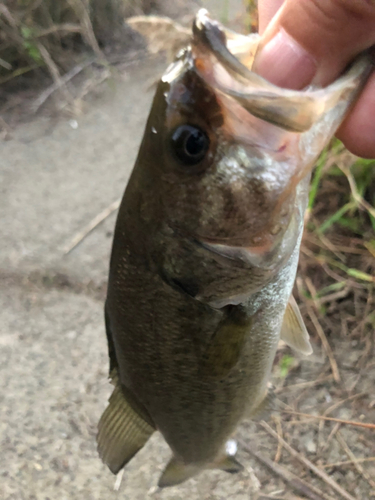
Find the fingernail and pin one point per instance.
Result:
(285, 63)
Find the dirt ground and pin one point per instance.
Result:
(56, 176)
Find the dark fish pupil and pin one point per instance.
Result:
(195, 143)
(190, 144)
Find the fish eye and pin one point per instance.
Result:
(190, 144)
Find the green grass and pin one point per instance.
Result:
(285, 364)
(342, 221)
(361, 180)
(316, 178)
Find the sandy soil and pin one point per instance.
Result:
(56, 176)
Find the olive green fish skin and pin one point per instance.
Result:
(161, 331)
(204, 256)
(161, 335)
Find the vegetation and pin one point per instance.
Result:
(35, 33)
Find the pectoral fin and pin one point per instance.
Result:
(122, 432)
(293, 330)
(225, 347)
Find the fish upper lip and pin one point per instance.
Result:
(213, 35)
(255, 94)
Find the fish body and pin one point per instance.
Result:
(206, 248)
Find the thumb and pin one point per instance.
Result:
(311, 41)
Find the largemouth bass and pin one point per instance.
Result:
(206, 248)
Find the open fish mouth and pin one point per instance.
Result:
(271, 132)
(224, 60)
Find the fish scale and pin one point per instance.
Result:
(206, 248)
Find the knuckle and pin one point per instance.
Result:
(341, 10)
(357, 8)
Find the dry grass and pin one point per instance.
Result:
(338, 252)
(335, 288)
(47, 33)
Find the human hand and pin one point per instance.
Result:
(312, 41)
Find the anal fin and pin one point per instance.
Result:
(177, 472)
(122, 432)
(293, 329)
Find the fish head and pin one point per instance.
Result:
(225, 150)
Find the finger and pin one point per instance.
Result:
(313, 40)
(358, 130)
(267, 9)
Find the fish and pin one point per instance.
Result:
(205, 250)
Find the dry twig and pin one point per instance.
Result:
(46, 94)
(87, 30)
(279, 445)
(292, 480)
(323, 444)
(325, 343)
(303, 385)
(79, 237)
(338, 420)
(118, 481)
(332, 297)
(327, 479)
(349, 462)
(273, 497)
(53, 69)
(353, 187)
(338, 424)
(351, 455)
